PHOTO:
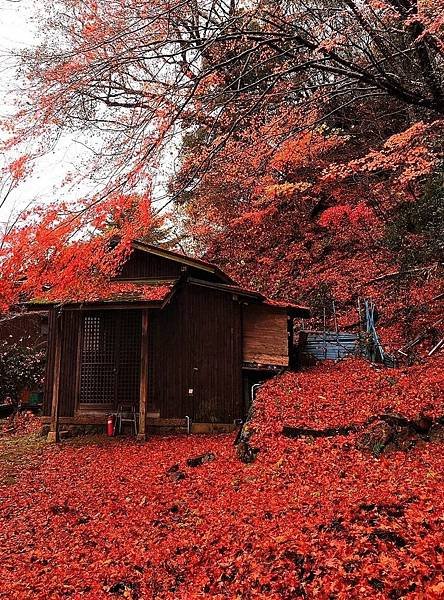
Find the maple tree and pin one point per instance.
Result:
(66, 250)
(309, 165)
(297, 222)
(309, 162)
(303, 128)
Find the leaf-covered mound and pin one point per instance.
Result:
(21, 424)
(312, 518)
(349, 392)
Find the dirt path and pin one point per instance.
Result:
(17, 452)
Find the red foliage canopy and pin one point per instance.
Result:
(321, 219)
(66, 251)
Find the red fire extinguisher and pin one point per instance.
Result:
(110, 425)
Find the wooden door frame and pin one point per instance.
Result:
(79, 362)
(144, 375)
(94, 408)
(54, 434)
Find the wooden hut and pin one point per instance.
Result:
(24, 328)
(175, 337)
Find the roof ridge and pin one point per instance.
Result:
(174, 255)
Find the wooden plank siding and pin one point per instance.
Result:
(70, 327)
(50, 357)
(143, 265)
(265, 335)
(196, 345)
(144, 374)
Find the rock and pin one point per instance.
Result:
(298, 432)
(423, 424)
(177, 476)
(374, 435)
(127, 589)
(436, 433)
(375, 438)
(246, 453)
(44, 430)
(200, 460)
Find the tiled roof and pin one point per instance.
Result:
(115, 291)
(284, 304)
(129, 291)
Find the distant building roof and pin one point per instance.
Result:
(182, 258)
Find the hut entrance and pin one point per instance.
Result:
(109, 360)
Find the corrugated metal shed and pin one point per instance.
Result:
(328, 345)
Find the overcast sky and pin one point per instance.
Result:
(17, 31)
(45, 185)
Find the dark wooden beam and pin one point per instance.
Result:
(53, 435)
(144, 364)
(88, 306)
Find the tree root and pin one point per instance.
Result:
(299, 432)
(379, 431)
(422, 425)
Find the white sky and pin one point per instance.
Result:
(45, 184)
(17, 31)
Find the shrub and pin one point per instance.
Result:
(20, 367)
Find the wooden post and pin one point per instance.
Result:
(53, 435)
(144, 365)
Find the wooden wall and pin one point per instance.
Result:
(141, 264)
(26, 328)
(265, 335)
(49, 371)
(195, 344)
(70, 327)
(198, 342)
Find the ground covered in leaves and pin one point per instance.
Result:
(309, 518)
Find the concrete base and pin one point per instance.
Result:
(90, 424)
(61, 435)
(196, 428)
(53, 437)
(213, 427)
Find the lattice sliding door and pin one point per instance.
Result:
(109, 359)
(128, 358)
